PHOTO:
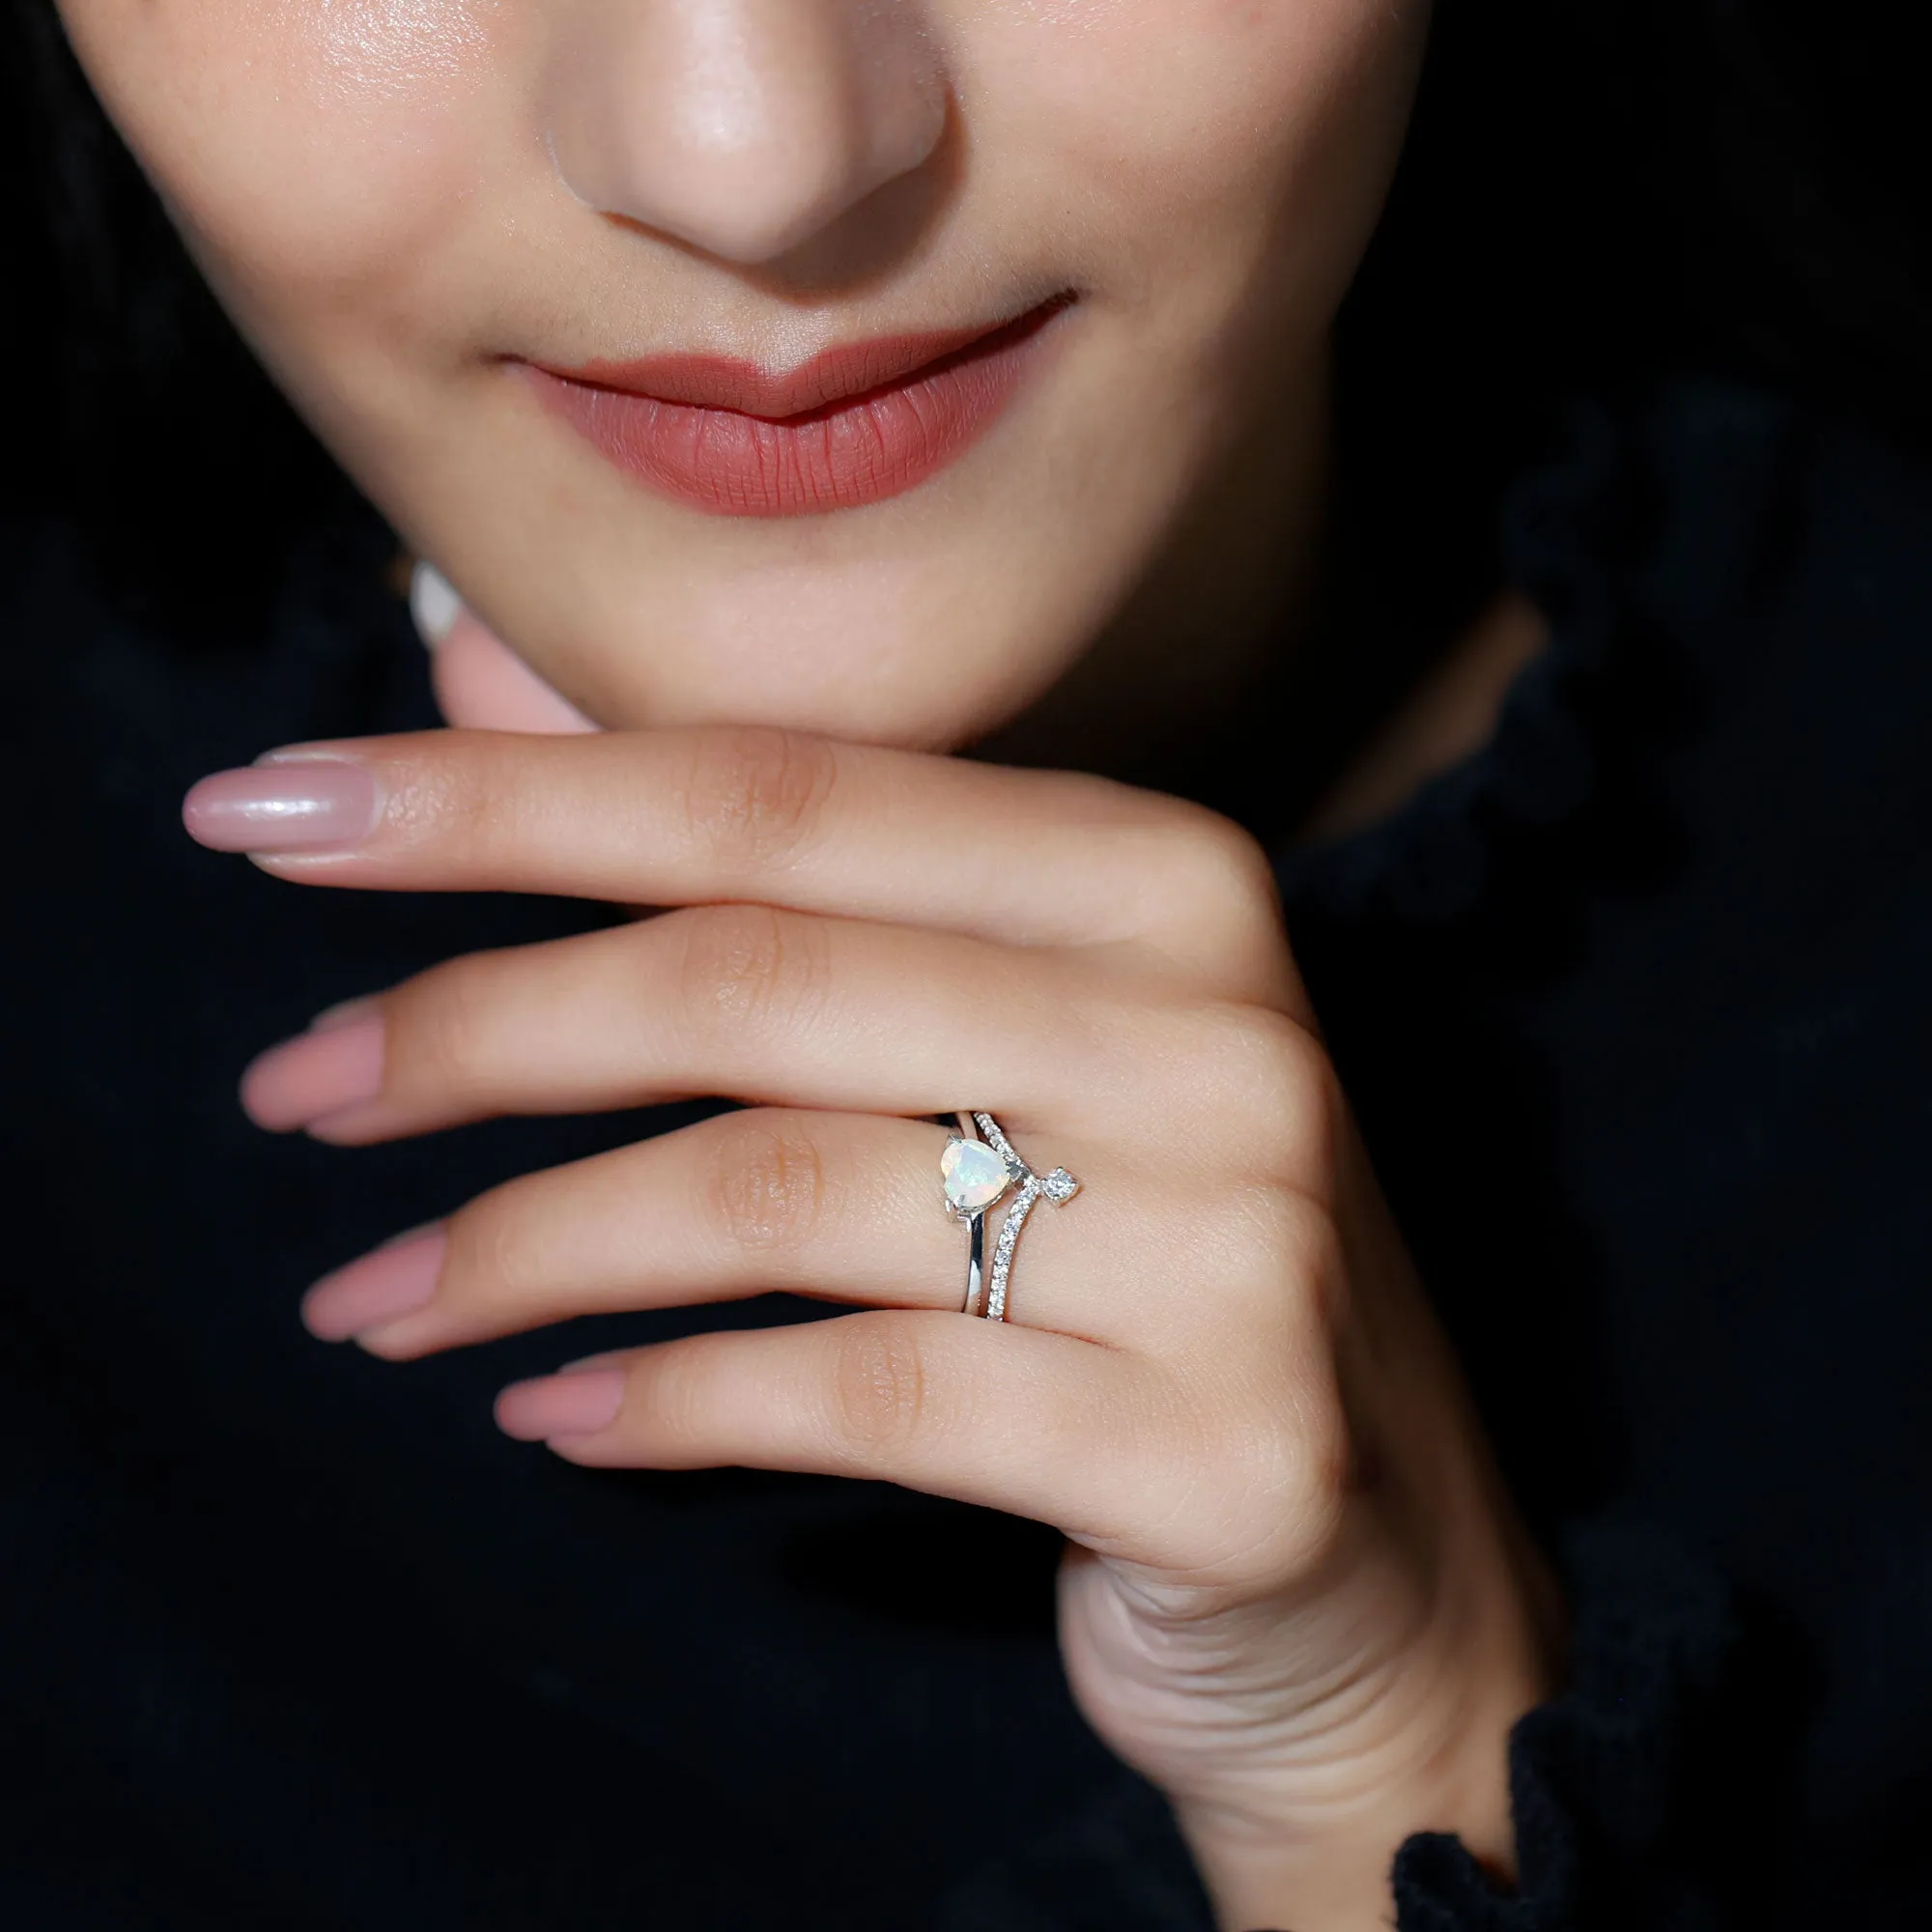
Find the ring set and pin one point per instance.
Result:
(977, 1172)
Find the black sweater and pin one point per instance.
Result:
(1633, 1006)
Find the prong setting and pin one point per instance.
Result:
(979, 1174)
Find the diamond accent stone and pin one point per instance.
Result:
(1010, 1236)
(974, 1175)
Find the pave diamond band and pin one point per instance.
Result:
(977, 1171)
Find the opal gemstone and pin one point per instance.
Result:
(974, 1175)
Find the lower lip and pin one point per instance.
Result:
(859, 450)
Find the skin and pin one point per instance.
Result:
(393, 196)
(1294, 1596)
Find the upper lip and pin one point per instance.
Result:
(835, 376)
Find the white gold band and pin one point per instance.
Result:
(977, 1168)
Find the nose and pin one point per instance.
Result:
(741, 128)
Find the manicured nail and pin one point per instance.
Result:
(304, 804)
(397, 1279)
(345, 1014)
(318, 1073)
(432, 603)
(566, 1404)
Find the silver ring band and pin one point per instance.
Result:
(977, 1168)
(975, 1237)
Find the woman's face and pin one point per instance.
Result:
(837, 363)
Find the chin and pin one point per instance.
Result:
(891, 649)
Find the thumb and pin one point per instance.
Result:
(480, 683)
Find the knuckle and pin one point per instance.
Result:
(1300, 1268)
(1268, 1470)
(1203, 874)
(1225, 868)
(446, 1026)
(756, 795)
(880, 1390)
(1286, 1079)
(1318, 1463)
(497, 1247)
(751, 965)
(675, 1386)
(1283, 1055)
(767, 1183)
(1267, 1093)
(467, 798)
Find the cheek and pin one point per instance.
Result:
(305, 146)
(1186, 122)
(1175, 78)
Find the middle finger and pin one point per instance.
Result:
(746, 1002)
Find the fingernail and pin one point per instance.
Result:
(566, 1404)
(318, 1073)
(308, 805)
(432, 603)
(397, 1279)
(421, 1232)
(595, 1361)
(346, 1013)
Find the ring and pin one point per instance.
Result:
(976, 1174)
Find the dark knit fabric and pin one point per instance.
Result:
(1633, 1007)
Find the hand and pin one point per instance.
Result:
(1293, 1595)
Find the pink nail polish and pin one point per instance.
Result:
(315, 1075)
(305, 805)
(395, 1280)
(567, 1404)
(331, 1018)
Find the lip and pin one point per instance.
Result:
(857, 423)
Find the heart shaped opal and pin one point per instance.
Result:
(974, 1175)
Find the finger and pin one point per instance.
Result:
(480, 683)
(843, 1206)
(1016, 1419)
(786, 1009)
(690, 816)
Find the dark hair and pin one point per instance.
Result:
(1595, 190)
(150, 423)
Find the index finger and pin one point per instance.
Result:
(708, 814)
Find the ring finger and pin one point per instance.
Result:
(843, 1206)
